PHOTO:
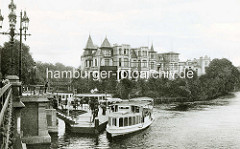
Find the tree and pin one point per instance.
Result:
(10, 55)
(124, 88)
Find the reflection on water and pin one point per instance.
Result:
(208, 124)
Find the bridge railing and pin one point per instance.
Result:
(6, 127)
(36, 90)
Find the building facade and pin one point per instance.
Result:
(126, 59)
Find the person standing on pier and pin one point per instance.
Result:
(46, 87)
(91, 105)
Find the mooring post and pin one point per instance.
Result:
(96, 122)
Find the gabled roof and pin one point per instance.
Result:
(106, 44)
(98, 52)
(90, 44)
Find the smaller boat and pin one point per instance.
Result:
(130, 116)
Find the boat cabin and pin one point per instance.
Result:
(129, 113)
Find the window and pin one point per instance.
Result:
(139, 53)
(88, 63)
(144, 53)
(134, 63)
(139, 63)
(107, 52)
(121, 122)
(125, 62)
(123, 107)
(120, 62)
(114, 122)
(126, 121)
(96, 62)
(120, 51)
(126, 51)
(107, 62)
(144, 63)
(152, 65)
(152, 55)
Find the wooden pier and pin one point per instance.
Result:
(83, 123)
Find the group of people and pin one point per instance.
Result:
(91, 102)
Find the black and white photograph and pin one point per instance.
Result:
(120, 74)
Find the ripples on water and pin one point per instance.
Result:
(208, 124)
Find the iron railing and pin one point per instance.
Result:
(6, 123)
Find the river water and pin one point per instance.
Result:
(208, 125)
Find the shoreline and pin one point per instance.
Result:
(170, 100)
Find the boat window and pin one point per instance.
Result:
(137, 109)
(126, 121)
(109, 121)
(130, 121)
(134, 120)
(121, 122)
(63, 96)
(133, 108)
(139, 119)
(123, 107)
(114, 122)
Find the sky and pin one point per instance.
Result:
(193, 28)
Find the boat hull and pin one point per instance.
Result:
(120, 131)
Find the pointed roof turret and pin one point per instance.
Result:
(152, 49)
(90, 44)
(106, 44)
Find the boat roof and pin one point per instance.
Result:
(142, 99)
(132, 103)
(123, 114)
(114, 100)
(93, 95)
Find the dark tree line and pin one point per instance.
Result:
(221, 78)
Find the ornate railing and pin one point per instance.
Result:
(6, 123)
(36, 90)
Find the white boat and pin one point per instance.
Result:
(130, 116)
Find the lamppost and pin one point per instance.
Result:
(24, 20)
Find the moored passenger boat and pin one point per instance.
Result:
(130, 116)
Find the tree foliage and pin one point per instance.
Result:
(10, 60)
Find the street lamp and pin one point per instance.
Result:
(24, 21)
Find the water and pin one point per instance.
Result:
(208, 125)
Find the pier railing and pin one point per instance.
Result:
(36, 90)
(6, 123)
